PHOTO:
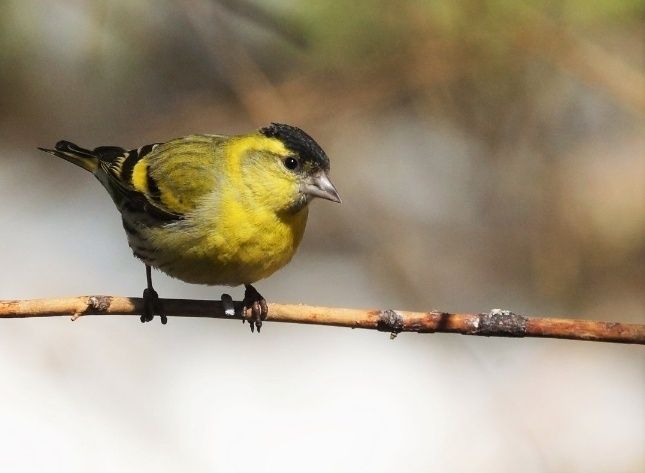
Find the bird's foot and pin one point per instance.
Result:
(257, 304)
(152, 306)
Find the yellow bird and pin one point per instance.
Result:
(213, 209)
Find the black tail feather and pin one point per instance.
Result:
(82, 157)
(69, 147)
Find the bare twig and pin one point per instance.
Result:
(267, 19)
(496, 323)
(585, 60)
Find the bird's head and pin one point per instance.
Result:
(285, 168)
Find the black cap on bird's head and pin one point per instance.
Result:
(313, 162)
(299, 142)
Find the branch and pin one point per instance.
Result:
(496, 323)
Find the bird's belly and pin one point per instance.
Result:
(227, 255)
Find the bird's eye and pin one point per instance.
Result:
(291, 163)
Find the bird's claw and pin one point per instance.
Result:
(152, 306)
(257, 304)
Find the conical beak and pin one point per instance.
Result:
(319, 185)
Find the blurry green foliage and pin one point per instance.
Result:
(345, 32)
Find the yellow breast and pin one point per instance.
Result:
(250, 245)
(239, 246)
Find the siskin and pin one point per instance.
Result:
(212, 209)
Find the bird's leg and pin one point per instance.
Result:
(151, 304)
(257, 304)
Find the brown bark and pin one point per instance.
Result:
(496, 323)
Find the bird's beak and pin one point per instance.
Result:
(319, 185)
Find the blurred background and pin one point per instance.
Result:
(490, 153)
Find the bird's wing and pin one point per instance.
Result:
(166, 180)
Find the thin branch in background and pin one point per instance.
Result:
(495, 323)
(253, 88)
(279, 25)
(586, 60)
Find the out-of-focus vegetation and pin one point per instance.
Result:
(490, 153)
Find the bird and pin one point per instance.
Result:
(212, 209)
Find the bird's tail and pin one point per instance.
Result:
(82, 157)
